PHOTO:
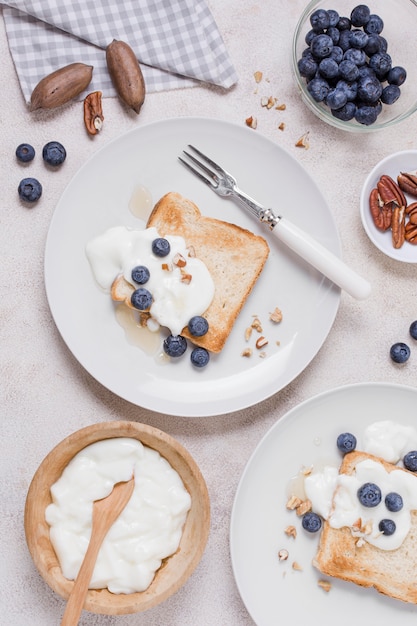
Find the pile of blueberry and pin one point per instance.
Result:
(141, 299)
(400, 352)
(347, 67)
(369, 494)
(53, 154)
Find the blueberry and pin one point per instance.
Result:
(373, 45)
(358, 39)
(140, 274)
(346, 442)
(374, 25)
(333, 17)
(336, 54)
(344, 23)
(320, 20)
(397, 75)
(321, 46)
(387, 526)
(346, 113)
(344, 40)
(351, 89)
(410, 461)
(175, 345)
(360, 15)
(358, 57)
(309, 37)
(200, 357)
(369, 495)
(141, 299)
(369, 89)
(366, 115)
(334, 34)
(318, 89)
(25, 152)
(54, 153)
(328, 68)
(307, 67)
(161, 247)
(348, 70)
(336, 99)
(413, 330)
(390, 94)
(381, 63)
(393, 502)
(399, 352)
(29, 189)
(311, 522)
(198, 326)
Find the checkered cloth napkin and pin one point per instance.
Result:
(177, 42)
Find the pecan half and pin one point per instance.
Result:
(411, 233)
(381, 213)
(408, 183)
(411, 210)
(398, 226)
(93, 113)
(390, 192)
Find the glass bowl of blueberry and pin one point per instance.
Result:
(354, 63)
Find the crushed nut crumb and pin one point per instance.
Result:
(185, 278)
(167, 267)
(247, 352)
(179, 260)
(261, 342)
(252, 122)
(280, 107)
(291, 531)
(258, 76)
(191, 252)
(303, 142)
(248, 333)
(283, 555)
(256, 324)
(268, 102)
(293, 503)
(297, 567)
(326, 585)
(303, 508)
(281, 126)
(262, 354)
(276, 315)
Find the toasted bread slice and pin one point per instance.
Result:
(391, 572)
(234, 257)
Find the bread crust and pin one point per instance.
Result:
(233, 255)
(390, 572)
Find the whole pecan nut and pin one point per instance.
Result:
(93, 113)
(408, 183)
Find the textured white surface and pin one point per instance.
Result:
(46, 395)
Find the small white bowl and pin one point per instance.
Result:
(392, 165)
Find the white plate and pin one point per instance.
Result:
(272, 591)
(98, 198)
(392, 165)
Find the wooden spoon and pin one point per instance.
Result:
(105, 513)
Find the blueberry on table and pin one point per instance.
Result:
(54, 153)
(198, 326)
(175, 345)
(29, 189)
(140, 274)
(200, 357)
(369, 495)
(141, 299)
(360, 15)
(387, 527)
(25, 152)
(393, 502)
(410, 461)
(399, 352)
(311, 522)
(161, 247)
(346, 442)
(413, 329)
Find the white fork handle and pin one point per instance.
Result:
(321, 258)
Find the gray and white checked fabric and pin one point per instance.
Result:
(177, 42)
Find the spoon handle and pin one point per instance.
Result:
(78, 594)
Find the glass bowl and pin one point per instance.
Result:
(400, 25)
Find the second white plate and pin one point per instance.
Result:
(98, 198)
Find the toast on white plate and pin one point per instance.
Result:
(343, 555)
(233, 255)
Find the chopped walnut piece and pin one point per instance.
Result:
(258, 76)
(252, 122)
(281, 126)
(297, 567)
(291, 531)
(185, 277)
(276, 315)
(167, 267)
(326, 585)
(303, 508)
(191, 252)
(179, 260)
(247, 352)
(268, 103)
(283, 555)
(262, 354)
(248, 333)
(256, 324)
(303, 142)
(280, 107)
(293, 503)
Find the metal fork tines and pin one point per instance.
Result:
(218, 179)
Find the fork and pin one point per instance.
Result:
(331, 266)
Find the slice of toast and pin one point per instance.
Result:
(391, 572)
(234, 257)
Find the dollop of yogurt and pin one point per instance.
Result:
(334, 496)
(175, 300)
(147, 531)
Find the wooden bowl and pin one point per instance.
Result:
(174, 571)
